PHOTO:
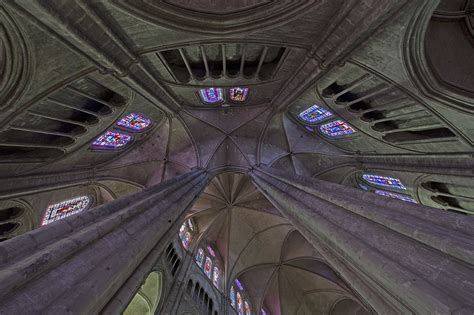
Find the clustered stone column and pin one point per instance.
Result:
(81, 264)
(401, 258)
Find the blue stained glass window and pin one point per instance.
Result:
(263, 312)
(65, 208)
(200, 257)
(232, 296)
(314, 114)
(239, 94)
(134, 122)
(239, 285)
(211, 95)
(384, 181)
(337, 128)
(396, 196)
(208, 267)
(112, 139)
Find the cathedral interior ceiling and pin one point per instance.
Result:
(71, 70)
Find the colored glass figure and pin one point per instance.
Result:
(337, 128)
(396, 196)
(239, 285)
(211, 251)
(232, 296)
(239, 94)
(314, 114)
(200, 257)
(186, 240)
(134, 122)
(384, 181)
(216, 276)
(208, 267)
(182, 231)
(112, 139)
(190, 224)
(247, 308)
(65, 208)
(211, 95)
(240, 304)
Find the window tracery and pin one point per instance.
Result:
(134, 122)
(314, 114)
(337, 128)
(396, 196)
(384, 181)
(66, 208)
(112, 140)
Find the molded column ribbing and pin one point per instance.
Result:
(401, 258)
(77, 265)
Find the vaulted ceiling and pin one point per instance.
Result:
(398, 72)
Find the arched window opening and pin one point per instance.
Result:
(10, 213)
(147, 299)
(186, 233)
(66, 208)
(7, 228)
(210, 264)
(172, 259)
(337, 128)
(112, 140)
(211, 95)
(238, 298)
(314, 114)
(457, 196)
(134, 122)
(383, 181)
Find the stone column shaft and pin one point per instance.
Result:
(77, 265)
(401, 258)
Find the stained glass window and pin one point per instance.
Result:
(396, 196)
(208, 267)
(200, 257)
(134, 122)
(337, 128)
(247, 308)
(211, 251)
(384, 181)
(65, 208)
(239, 285)
(263, 312)
(240, 304)
(216, 276)
(211, 95)
(239, 94)
(185, 235)
(112, 139)
(314, 114)
(190, 224)
(232, 296)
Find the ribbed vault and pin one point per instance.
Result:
(281, 271)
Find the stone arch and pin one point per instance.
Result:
(15, 60)
(148, 297)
